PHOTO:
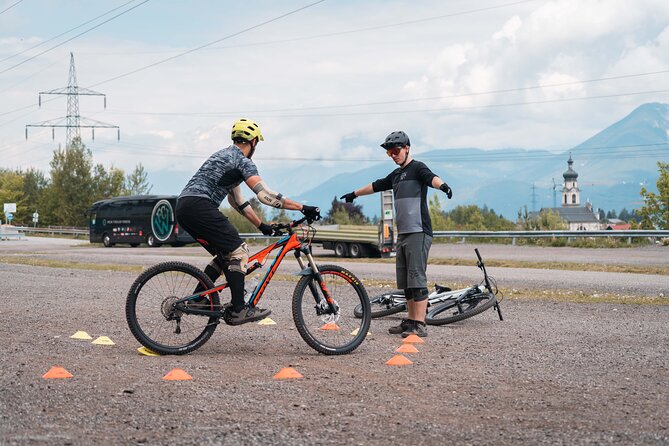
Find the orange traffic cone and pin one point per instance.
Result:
(330, 326)
(177, 375)
(413, 339)
(57, 372)
(398, 360)
(288, 373)
(406, 348)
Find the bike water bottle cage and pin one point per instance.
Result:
(268, 196)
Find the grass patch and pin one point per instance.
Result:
(50, 263)
(577, 296)
(492, 263)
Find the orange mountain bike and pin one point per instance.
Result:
(162, 316)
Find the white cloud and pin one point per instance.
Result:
(537, 43)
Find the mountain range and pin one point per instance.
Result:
(611, 165)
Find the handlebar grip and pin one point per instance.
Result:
(476, 250)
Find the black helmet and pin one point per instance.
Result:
(396, 139)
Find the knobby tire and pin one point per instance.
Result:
(349, 292)
(448, 312)
(380, 308)
(149, 298)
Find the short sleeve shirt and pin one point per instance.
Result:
(222, 172)
(409, 185)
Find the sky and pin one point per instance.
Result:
(325, 80)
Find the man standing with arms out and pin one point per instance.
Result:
(197, 212)
(409, 183)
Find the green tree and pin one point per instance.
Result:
(136, 182)
(545, 220)
(71, 189)
(440, 221)
(467, 218)
(107, 184)
(343, 213)
(34, 185)
(11, 191)
(655, 211)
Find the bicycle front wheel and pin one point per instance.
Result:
(455, 310)
(151, 313)
(384, 305)
(328, 332)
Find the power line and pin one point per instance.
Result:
(339, 33)
(10, 7)
(72, 38)
(384, 112)
(63, 33)
(454, 96)
(209, 44)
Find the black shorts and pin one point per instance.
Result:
(202, 219)
(411, 262)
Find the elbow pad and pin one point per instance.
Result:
(268, 196)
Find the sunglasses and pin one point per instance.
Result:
(394, 151)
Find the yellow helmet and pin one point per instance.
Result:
(246, 130)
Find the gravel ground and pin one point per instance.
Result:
(550, 373)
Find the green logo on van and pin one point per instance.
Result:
(162, 220)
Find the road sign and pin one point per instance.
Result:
(10, 217)
(9, 207)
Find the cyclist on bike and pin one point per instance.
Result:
(197, 212)
(409, 183)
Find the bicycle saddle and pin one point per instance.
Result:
(441, 289)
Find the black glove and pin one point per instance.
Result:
(449, 193)
(349, 197)
(266, 229)
(311, 212)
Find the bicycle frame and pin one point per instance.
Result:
(286, 244)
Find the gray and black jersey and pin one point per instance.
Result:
(222, 172)
(409, 185)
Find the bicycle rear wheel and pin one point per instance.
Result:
(331, 333)
(454, 310)
(152, 317)
(384, 305)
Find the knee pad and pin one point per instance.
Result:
(417, 294)
(216, 264)
(236, 261)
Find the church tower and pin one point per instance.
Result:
(570, 191)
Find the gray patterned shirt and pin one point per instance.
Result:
(222, 172)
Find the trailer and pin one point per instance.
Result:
(362, 241)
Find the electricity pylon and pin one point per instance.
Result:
(73, 122)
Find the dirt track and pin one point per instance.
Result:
(551, 373)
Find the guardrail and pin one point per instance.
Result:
(513, 235)
(58, 230)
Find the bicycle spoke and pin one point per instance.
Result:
(327, 331)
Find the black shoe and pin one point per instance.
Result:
(247, 314)
(418, 328)
(404, 325)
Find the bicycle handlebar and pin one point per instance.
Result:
(476, 250)
(278, 227)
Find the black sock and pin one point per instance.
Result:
(236, 285)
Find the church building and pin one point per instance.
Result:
(580, 218)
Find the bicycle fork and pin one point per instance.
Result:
(325, 304)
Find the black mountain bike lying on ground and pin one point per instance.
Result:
(167, 315)
(445, 306)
